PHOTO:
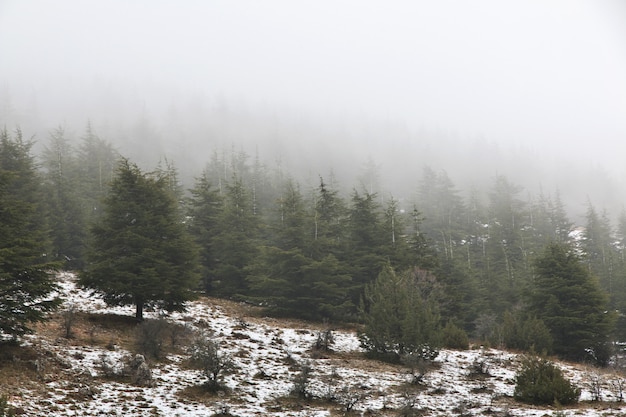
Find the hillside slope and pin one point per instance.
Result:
(51, 375)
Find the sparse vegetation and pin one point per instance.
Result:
(301, 381)
(213, 363)
(69, 318)
(5, 408)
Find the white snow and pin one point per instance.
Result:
(260, 346)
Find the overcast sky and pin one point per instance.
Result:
(540, 72)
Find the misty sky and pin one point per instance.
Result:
(540, 73)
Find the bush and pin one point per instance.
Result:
(301, 381)
(325, 340)
(69, 317)
(206, 356)
(540, 382)
(523, 333)
(454, 337)
(150, 337)
(5, 409)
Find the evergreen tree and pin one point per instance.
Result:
(365, 241)
(203, 209)
(461, 300)
(506, 247)
(289, 281)
(572, 305)
(442, 209)
(619, 287)
(329, 222)
(600, 254)
(549, 221)
(141, 253)
(236, 242)
(97, 161)
(66, 216)
(26, 276)
(421, 252)
(398, 250)
(401, 315)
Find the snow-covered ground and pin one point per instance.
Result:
(264, 352)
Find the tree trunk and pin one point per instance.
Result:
(139, 311)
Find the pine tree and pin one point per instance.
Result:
(329, 222)
(96, 160)
(365, 241)
(26, 276)
(442, 210)
(236, 241)
(286, 278)
(401, 315)
(203, 209)
(141, 253)
(597, 244)
(67, 216)
(506, 248)
(571, 303)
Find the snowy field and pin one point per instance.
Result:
(264, 352)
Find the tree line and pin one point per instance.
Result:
(500, 266)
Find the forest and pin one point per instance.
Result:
(502, 269)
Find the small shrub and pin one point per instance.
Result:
(5, 408)
(539, 382)
(349, 397)
(206, 356)
(69, 318)
(324, 341)
(618, 385)
(594, 385)
(301, 381)
(480, 366)
(150, 336)
(418, 367)
(180, 334)
(454, 337)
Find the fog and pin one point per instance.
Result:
(532, 89)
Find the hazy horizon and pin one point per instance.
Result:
(533, 78)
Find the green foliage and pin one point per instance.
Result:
(26, 276)
(290, 284)
(67, 216)
(400, 314)
(204, 208)
(141, 253)
(506, 247)
(235, 244)
(525, 333)
(572, 305)
(461, 296)
(329, 223)
(454, 337)
(287, 278)
(540, 382)
(365, 242)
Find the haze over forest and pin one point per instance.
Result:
(531, 90)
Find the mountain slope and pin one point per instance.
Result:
(53, 375)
